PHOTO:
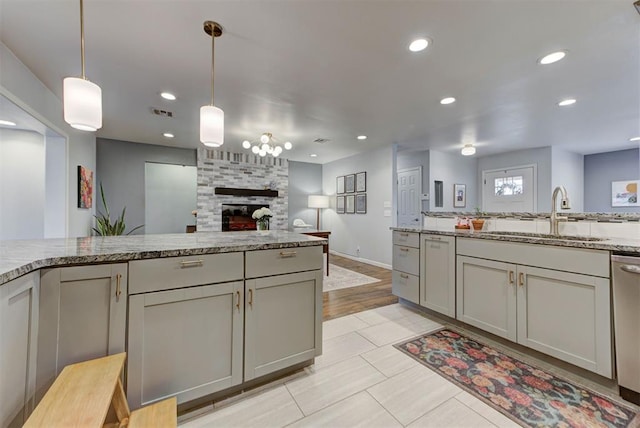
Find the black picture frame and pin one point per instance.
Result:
(350, 202)
(340, 204)
(361, 203)
(350, 183)
(340, 185)
(361, 182)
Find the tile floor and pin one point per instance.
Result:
(360, 380)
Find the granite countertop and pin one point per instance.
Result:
(618, 245)
(20, 257)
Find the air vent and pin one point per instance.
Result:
(321, 140)
(163, 113)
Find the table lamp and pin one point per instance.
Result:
(317, 202)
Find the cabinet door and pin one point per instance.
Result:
(566, 315)
(438, 273)
(18, 348)
(283, 322)
(486, 295)
(83, 315)
(185, 343)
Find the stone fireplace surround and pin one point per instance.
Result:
(219, 168)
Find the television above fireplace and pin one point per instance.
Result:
(238, 217)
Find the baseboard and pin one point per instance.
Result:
(361, 260)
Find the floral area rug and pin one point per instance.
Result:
(526, 394)
(340, 278)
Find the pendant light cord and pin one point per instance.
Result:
(82, 37)
(213, 51)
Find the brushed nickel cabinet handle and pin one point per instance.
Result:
(238, 303)
(511, 277)
(286, 254)
(118, 286)
(404, 276)
(406, 250)
(435, 238)
(521, 279)
(404, 234)
(251, 297)
(191, 263)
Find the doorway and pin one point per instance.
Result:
(409, 190)
(511, 189)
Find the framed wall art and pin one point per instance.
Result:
(340, 185)
(340, 204)
(459, 195)
(85, 187)
(361, 203)
(361, 182)
(350, 183)
(351, 204)
(625, 193)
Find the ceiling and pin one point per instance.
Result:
(310, 69)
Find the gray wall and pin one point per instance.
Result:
(370, 232)
(304, 179)
(603, 168)
(121, 169)
(540, 157)
(568, 171)
(453, 168)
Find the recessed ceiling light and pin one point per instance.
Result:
(419, 45)
(313, 155)
(634, 139)
(447, 100)
(7, 123)
(552, 57)
(362, 137)
(567, 102)
(468, 150)
(168, 96)
(168, 135)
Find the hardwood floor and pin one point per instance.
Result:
(350, 300)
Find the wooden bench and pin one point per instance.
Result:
(83, 393)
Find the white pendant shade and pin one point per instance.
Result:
(211, 126)
(82, 104)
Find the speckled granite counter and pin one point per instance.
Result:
(18, 258)
(618, 245)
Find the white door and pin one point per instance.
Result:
(409, 190)
(509, 190)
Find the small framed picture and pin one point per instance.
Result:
(625, 193)
(361, 182)
(340, 185)
(340, 204)
(361, 203)
(351, 204)
(350, 183)
(459, 195)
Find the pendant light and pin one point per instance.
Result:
(82, 99)
(212, 117)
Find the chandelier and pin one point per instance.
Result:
(266, 145)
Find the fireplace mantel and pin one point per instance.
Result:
(245, 192)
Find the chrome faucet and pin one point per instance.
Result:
(564, 204)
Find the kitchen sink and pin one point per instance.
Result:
(545, 236)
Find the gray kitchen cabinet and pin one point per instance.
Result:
(19, 301)
(185, 342)
(83, 315)
(438, 273)
(558, 312)
(405, 281)
(283, 319)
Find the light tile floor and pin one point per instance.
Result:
(360, 380)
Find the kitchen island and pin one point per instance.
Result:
(199, 315)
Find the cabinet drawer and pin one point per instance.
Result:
(406, 286)
(406, 259)
(408, 239)
(176, 272)
(283, 260)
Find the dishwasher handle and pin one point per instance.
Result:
(631, 268)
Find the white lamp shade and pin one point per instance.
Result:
(318, 201)
(211, 126)
(468, 150)
(82, 104)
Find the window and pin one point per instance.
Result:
(509, 186)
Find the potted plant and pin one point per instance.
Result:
(477, 221)
(104, 227)
(262, 216)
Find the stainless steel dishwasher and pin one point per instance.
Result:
(626, 310)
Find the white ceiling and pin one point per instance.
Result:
(310, 69)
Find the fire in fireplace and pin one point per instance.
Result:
(238, 217)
